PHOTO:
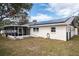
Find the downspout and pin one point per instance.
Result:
(66, 33)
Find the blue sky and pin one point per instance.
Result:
(52, 11)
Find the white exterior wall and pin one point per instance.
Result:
(76, 31)
(72, 31)
(59, 34)
(18, 37)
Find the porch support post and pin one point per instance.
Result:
(22, 31)
(14, 31)
(11, 30)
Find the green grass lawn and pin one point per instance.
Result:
(38, 47)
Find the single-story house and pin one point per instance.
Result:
(62, 29)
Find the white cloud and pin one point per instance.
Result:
(41, 17)
(65, 12)
(64, 9)
(60, 10)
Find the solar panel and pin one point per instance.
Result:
(52, 21)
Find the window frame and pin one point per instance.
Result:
(53, 29)
(35, 29)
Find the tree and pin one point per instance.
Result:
(19, 6)
(10, 9)
(23, 19)
(76, 21)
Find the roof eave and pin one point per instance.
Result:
(62, 24)
(15, 25)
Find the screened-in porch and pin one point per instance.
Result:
(17, 30)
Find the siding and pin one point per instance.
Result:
(59, 34)
(71, 31)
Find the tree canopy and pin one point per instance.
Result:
(9, 9)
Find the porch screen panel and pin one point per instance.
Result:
(24, 30)
(20, 31)
(16, 33)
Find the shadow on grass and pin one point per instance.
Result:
(5, 52)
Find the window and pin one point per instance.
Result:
(53, 29)
(35, 29)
